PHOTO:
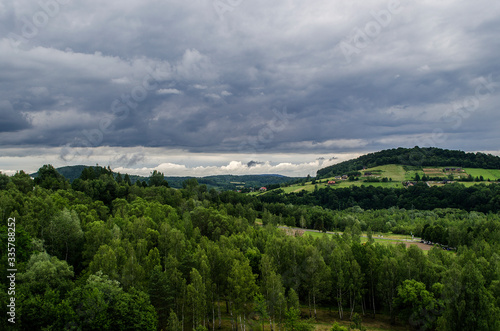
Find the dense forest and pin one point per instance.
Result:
(101, 253)
(429, 156)
(481, 197)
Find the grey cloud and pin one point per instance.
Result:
(11, 120)
(217, 80)
(254, 164)
(129, 160)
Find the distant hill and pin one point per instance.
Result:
(415, 157)
(232, 182)
(219, 182)
(73, 172)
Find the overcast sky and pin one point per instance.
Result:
(206, 87)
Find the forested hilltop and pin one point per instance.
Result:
(102, 254)
(428, 156)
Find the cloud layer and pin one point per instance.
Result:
(241, 78)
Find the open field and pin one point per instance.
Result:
(396, 172)
(466, 184)
(360, 182)
(491, 174)
(382, 238)
(388, 239)
(410, 175)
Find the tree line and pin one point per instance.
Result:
(484, 197)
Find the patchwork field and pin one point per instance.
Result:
(433, 172)
(396, 175)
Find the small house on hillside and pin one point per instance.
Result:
(331, 182)
(345, 177)
(408, 184)
(263, 189)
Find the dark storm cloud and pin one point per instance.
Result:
(179, 74)
(11, 120)
(254, 163)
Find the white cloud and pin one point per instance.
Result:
(424, 68)
(232, 168)
(168, 91)
(121, 80)
(142, 161)
(213, 96)
(195, 65)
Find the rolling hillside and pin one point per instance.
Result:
(397, 177)
(413, 157)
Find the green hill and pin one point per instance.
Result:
(73, 172)
(394, 168)
(413, 157)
